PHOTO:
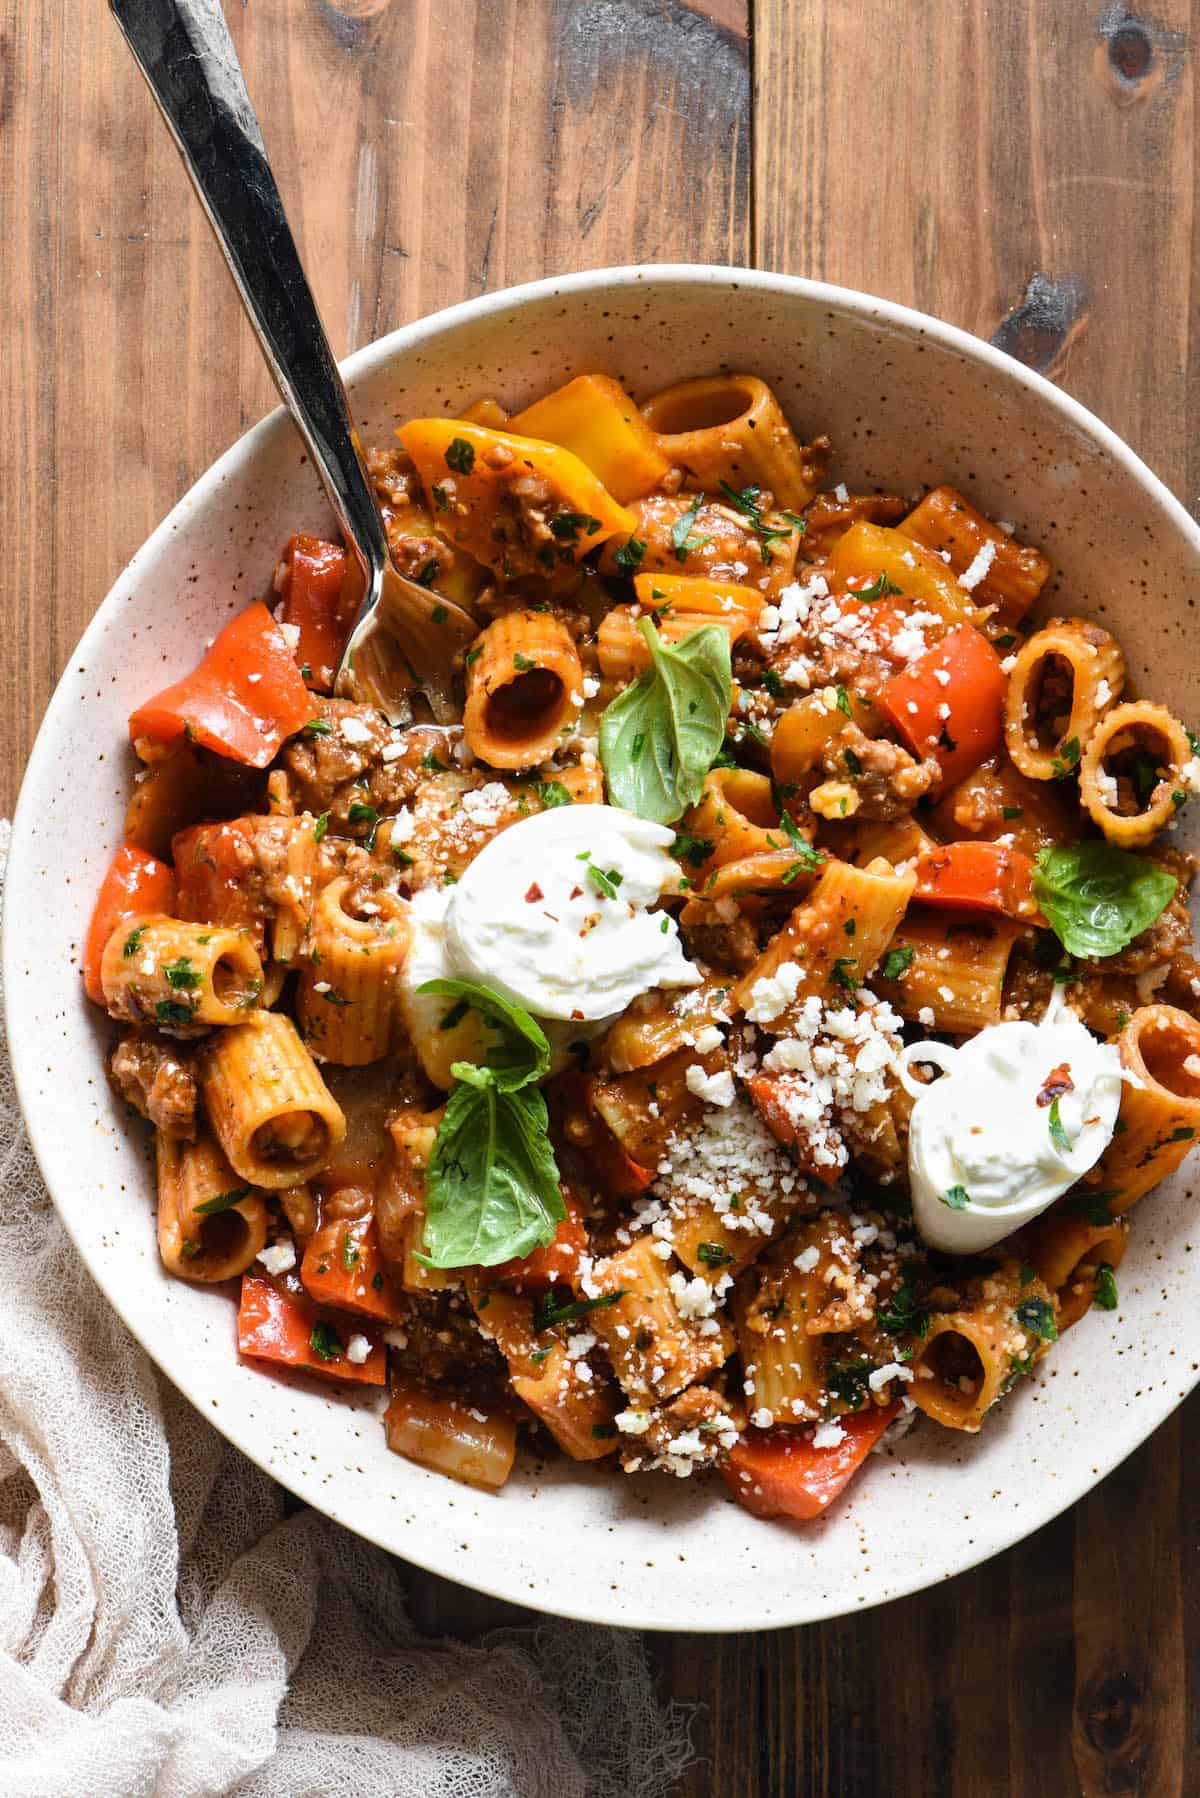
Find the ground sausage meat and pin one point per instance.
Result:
(347, 741)
(158, 1081)
(886, 778)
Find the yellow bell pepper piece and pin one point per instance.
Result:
(520, 506)
(596, 420)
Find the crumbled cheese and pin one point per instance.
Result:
(708, 1039)
(354, 730)
(291, 635)
(828, 1435)
(773, 993)
(580, 1344)
(280, 1258)
(486, 806)
(841, 493)
(836, 1061)
(730, 1160)
(633, 1423)
(392, 750)
(1103, 693)
(762, 1419)
(357, 1350)
(971, 577)
(591, 686)
(942, 676)
(403, 825)
(694, 1298)
(926, 1017)
(714, 1089)
(807, 1259)
(894, 1370)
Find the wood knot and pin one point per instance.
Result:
(1108, 1709)
(1040, 330)
(1130, 51)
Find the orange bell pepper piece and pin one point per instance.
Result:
(468, 473)
(343, 1267)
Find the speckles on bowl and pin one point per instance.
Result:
(907, 402)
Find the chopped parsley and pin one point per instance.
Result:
(902, 1315)
(460, 456)
(629, 557)
(1009, 812)
(879, 588)
(712, 1254)
(365, 814)
(957, 1197)
(843, 702)
(571, 525)
(1037, 1316)
(316, 727)
(1067, 759)
(181, 975)
(747, 503)
(350, 1252)
(324, 1343)
(173, 1011)
(133, 941)
(426, 578)
(896, 962)
(523, 664)
(695, 851)
(1104, 1293)
(550, 1311)
(682, 542)
(847, 1381)
(606, 883)
(224, 1201)
(552, 793)
(1058, 1134)
(320, 826)
(843, 975)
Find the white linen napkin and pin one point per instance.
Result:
(165, 1632)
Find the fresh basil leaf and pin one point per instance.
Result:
(522, 1054)
(659, 737)
(1097, 898)
(491, 1187)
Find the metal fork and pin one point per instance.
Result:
(403, 631)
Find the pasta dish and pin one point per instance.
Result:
(749, 1029)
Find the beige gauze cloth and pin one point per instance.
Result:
(165, 1632)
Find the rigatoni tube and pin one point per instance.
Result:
(272, 1113)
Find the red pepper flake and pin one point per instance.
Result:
(534, 894)
(1058, 1082)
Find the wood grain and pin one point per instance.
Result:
(1027, 170)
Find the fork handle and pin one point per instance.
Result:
(184, 50)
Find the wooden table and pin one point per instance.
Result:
(1026, 168)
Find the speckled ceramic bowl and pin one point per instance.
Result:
(907, 401)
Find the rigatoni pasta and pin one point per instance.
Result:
(747, 1027)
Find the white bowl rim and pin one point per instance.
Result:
(1119, 1443)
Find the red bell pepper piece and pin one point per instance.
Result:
(274, 1326)
(778, 1472)
(243, 699)
(320, 599)
(958, 719)
(343, 1267)
(211, 866)
(977, 877)
(137, 885)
